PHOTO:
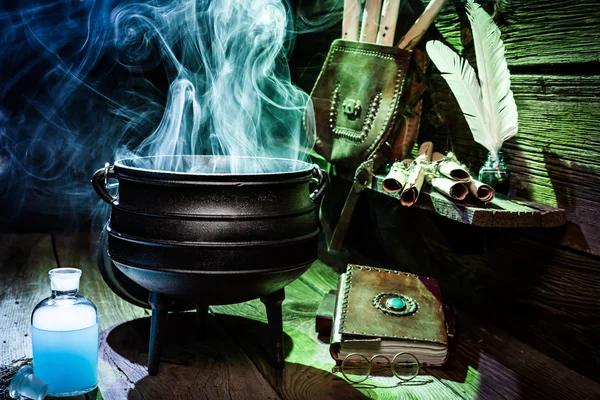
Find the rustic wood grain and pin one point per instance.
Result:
(213, 369)
(543, 294)
(491, 364)
(552, 51)
(234, 360)
(307, 374)
(486, 363)
(24, 263)
(549, 33)
(554, 159)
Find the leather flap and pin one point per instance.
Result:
(357, 99)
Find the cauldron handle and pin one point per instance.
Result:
(100, 182)
(323, 181)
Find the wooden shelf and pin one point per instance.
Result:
(499, 213)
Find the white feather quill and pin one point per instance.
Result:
(462, 80)
(488, 103)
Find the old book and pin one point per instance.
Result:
(381, 311)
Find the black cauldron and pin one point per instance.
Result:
(212, 230)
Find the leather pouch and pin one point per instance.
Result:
(358, 100)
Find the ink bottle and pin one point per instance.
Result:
(495, 174)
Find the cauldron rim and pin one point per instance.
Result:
(298, 168)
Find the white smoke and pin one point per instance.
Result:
(230, 92)
(91, 81)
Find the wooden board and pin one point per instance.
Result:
(24, 261)
(554, 159)
(307, 374)
(499, 213)
(233, 362)
(552, 32)
(566, 34)
(217, 369)
(487, 363)
(543, 294)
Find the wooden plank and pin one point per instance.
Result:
(543, 294)
(550, 22)
(215, 369)
(491, 364)
(218, 368)
(124, 353)
(307, 374)
(499, 213)
(24, 263)
(488, 363)
(554, 159)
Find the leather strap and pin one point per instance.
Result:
(337, 239)
(362, 179)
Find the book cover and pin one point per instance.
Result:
(381, 311)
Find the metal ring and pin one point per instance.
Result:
(322, 179)
(410, 377)
(108, 185)
(106, 167)
(368, 362)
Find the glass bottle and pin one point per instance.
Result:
(495, 174)
(64, 335)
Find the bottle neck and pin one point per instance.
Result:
(59, 293)
(499, 163)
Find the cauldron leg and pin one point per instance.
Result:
(201, 315)
(160, 312)
(272, 303)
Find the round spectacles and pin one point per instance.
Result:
(356, 368)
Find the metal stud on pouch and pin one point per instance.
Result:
(351, 108)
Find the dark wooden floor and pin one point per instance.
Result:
(233, 361)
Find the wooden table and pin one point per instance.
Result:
(233, 361)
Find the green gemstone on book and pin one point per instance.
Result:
(395, 303)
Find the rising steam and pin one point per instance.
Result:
(230, 91)
(85, 82)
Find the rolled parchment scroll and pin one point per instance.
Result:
(483, 192)
(410, 193)
(414, 183)
(397, 177)
(450, 168)
(454, 189)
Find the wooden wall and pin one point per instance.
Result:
(541, 285)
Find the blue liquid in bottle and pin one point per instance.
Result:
(64, 334)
